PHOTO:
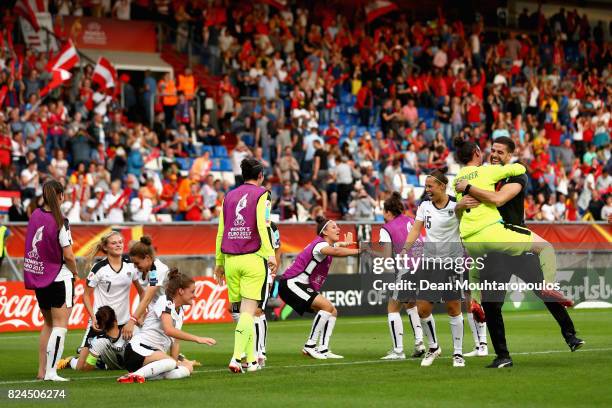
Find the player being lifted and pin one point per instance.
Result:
(110, 280)
(442, 251)
(146, 355)
(299, 286)
(395, 231)
(482, 229)
(243, 255)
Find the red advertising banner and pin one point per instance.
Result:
(107, 34)
(199, 239)
(19, 309)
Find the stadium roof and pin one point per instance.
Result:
(130, 61)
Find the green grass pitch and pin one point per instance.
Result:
(545, 372)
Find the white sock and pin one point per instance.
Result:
(456, 324)
(73, 363)
(482, 332)
(55, 348)
(474, 329)
(263, 339)
(156, 368)
(415, 322)
(396, 328)
(176, 374)
(328, 329)
(235, 317)
(317, 325)
(429, 327)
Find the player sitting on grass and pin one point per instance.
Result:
(146, 354)
(110, 280)
(300, 284)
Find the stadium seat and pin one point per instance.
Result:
(248, 139)
(219, 151)
(225, 165)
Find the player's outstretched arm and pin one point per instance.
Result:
(175, 333)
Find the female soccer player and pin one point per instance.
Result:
(152, 276)
(443, 253)
(146, 355)
(482, 229)
(50, 269)
(300, 284)
(109, 280)
(395, 231)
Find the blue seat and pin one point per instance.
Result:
(220, 151)
(184, 163)
(225, 165)
(248, 139)
(412, 179)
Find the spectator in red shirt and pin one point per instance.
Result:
(195, 204)
(332, 134)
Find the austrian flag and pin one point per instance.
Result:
(104, 74)
(378, 8)
(65, 59)
(58, 77)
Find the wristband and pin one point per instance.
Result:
(132, 318)
(91, 360)
(467, 189)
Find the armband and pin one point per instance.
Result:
(91, 359)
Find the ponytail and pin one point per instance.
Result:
(394, 204)
(176, 281)
(51, 191)
(465, 149)
(143, 247)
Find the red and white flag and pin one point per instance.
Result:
(24, 9)
(279, 4)
(65, 59)
(378, 8)
(58, 77)
(104, 74)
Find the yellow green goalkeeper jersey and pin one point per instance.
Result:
(483, 177)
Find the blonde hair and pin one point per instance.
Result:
(97, 248)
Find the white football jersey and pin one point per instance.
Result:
(111, 351)
(151, 334)
(112, 288)
(157, 276)
(442, 237)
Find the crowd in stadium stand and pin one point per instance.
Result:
(340, 113)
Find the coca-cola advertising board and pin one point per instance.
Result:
(19, 308)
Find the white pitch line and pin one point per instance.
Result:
(525, 353)
(288, 323)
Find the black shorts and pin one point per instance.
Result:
(440, 283)
(56, 294)
(132, 361)
(405, 286)
(296, 294)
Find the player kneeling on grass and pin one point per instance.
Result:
(300, 284)
(146, 354)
